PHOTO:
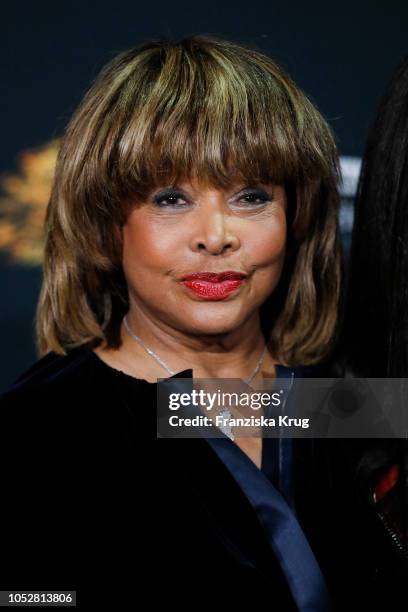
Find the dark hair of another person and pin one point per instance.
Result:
(374, 340)
(374, 337)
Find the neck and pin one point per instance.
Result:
(231, 354)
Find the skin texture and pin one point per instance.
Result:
(201, 228)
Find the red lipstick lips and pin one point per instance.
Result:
(212, 285)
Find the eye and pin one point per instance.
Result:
(170, 199)
(254, 197)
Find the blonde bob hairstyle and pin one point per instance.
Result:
(170, 110)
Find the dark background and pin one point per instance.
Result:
(341, 54)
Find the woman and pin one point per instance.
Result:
(192, 231)
(374, 341)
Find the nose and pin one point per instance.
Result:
(213, 232)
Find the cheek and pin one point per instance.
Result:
(146, 246)
(265, 244)
(265, 251)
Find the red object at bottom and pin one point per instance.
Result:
(386, 483)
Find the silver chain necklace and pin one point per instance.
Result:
(161, 362)
(225, 413)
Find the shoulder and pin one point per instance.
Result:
(66, 407)
(73, 397)
(50, 382)
(52, 371)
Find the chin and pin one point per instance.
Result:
(213, 324)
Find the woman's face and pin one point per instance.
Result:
(195, 229)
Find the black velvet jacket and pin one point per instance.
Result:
(85, 507)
